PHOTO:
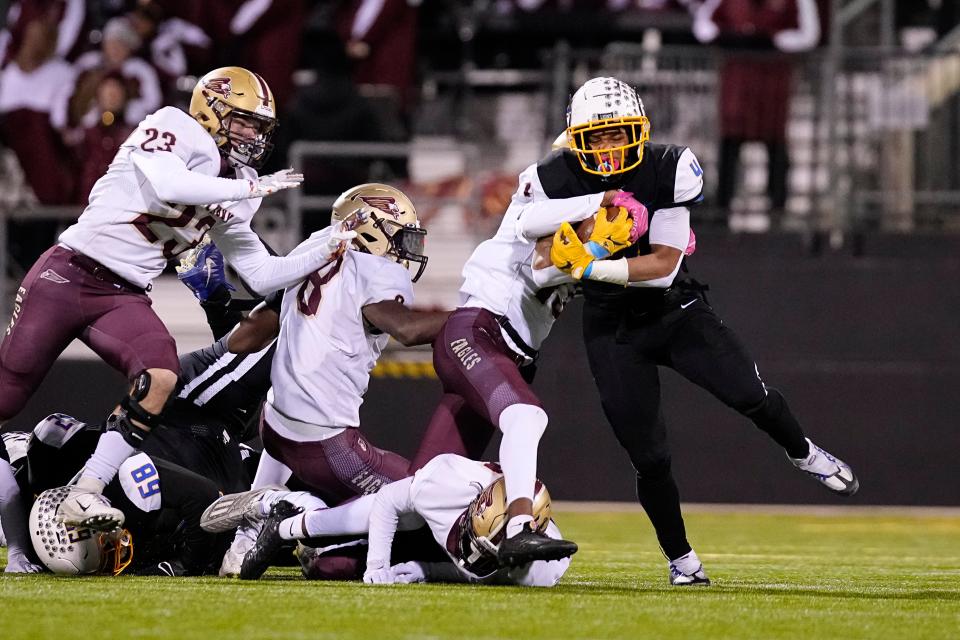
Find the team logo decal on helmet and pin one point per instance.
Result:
(385, 204)
(386, 223)
(219, 85)
(483, 525)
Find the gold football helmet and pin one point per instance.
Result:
(601, 104)
(233, 91)
(484, 526)
(385, 221)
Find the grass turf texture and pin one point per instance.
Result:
(775, 576)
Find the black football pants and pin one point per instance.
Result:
(625, 348)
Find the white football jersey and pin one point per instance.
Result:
(499, 274)
(127, 226)
(443, 489)
(326, 349)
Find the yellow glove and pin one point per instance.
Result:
(610, 236)
(567, 252)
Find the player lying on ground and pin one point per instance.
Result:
(162, 503)
(462, 502)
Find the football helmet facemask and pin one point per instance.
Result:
(484, 526)
(230, 93)
(68, 550)
(385, 221)
(604, 104)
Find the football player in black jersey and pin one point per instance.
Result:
(642, 311)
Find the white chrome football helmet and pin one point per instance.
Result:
(385, 221)
(607, 103)
(70, 550)
(484, 526)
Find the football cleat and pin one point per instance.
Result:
(680, 579)
(230, 511)
(233, 558)
(87, 509)
(268, 543)
(831, 472)
(530, 545)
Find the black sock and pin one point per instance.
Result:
(660, 498)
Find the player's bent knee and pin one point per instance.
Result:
(162, 381)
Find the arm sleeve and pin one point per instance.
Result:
(221, 317)
(669, 227)
(173, 182)
(390, 502)
(537, 215)
(263, 272)
(551, 277)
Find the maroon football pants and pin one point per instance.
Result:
(58, 302)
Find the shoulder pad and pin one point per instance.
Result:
(560, 175)
(56, 429)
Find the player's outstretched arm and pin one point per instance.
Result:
(263, 272)
(408, 326)
(390, 502)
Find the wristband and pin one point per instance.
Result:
(612, 271)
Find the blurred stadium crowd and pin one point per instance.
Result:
(78, 75)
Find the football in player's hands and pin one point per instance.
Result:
(583, 228)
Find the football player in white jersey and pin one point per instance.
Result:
(486, 351)
(463, 503)
(161, 194)
(332, 327)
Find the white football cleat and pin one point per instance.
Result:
(687, 571)
(832, 472)
(88, 509)
(243, 542)
(230, 511)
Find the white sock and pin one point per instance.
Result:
(270, 471)
(13, 513)
(293, 528)
(304, 499)
(352, 518)
(522, 425)
(687, 564)
(102, 466)
(515, 525)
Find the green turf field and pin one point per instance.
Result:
(775, 576)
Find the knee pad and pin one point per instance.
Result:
(130, 409)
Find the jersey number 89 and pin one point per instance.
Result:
(146, 479)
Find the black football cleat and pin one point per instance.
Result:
(530, 545)
(268, 543)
